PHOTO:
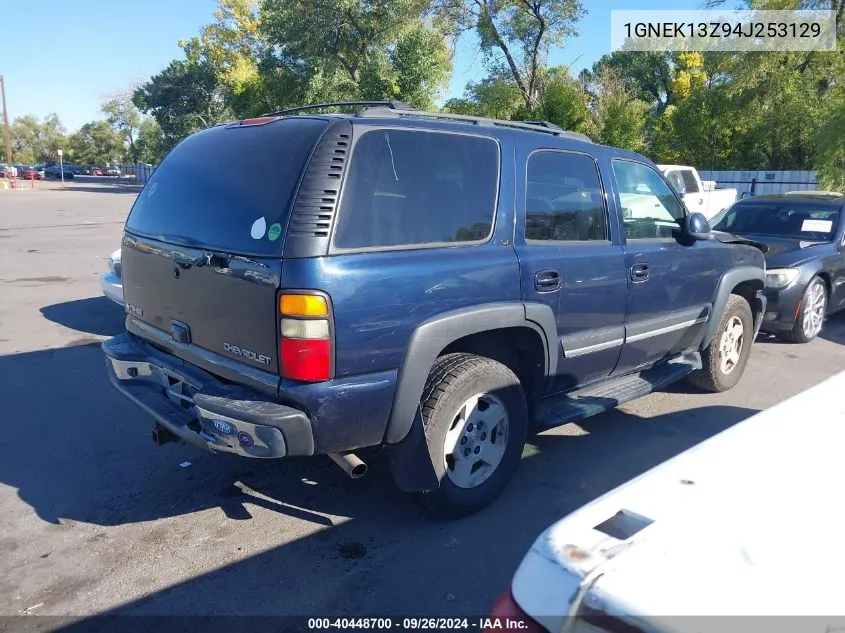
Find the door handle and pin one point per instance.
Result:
(701, 201)
(639, 272)
(547, 280)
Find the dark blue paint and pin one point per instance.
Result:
(380, 298)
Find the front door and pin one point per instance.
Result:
(571, 260)
(671, 283)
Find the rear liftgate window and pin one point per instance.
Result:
(227, 188)
(408, 188)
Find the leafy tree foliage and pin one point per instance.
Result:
(96, 143)
(515, 35)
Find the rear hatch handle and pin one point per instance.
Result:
(214, 258)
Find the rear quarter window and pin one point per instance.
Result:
(227, 188)
(409, 188)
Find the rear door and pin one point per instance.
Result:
(571, 260)
(202, 249)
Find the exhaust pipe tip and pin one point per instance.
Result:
(350, 463)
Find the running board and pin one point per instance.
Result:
(607, 394)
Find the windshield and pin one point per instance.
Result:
(200, 195)
(780, 219)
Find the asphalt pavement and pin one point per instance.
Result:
(95, 519)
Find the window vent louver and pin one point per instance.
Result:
(316, 203)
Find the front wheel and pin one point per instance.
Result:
(724, 359)
(476, 421)
(808, 325)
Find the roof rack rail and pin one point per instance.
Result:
(815, 192)
(546, 124)
(392, 105)
(544, 127)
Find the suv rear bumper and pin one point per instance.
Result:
(202, 410)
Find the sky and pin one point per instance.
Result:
(69, 61)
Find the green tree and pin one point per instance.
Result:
(618, 117)
(562, 100)
(124, 117)
(96, 143)
(358, 49)
(35, 141)
(648, 74)
(234, 45)
(152, 145)
(830, 149)
(183, 98)
(495, 96)
(515, 35)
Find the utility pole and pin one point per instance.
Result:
(6, 132)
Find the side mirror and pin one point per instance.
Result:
(682, 191)
(696, 227)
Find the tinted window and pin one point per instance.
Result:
(564, 200)
(775, 219)
(407, 188)
(689, 181)
(649, 207)
(200, 194)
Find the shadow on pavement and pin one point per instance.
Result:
(107, 188)
(834, 329)
(95, 315)
(92, 461)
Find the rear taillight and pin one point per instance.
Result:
(508, 615)
(306, 346)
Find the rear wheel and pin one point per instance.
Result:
(808, 325)
(724, 360)
(475, 417)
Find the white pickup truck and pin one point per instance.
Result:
(699, 196)
(746, 523)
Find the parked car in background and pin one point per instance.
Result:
(698, 196)
(110, 282)
(29, 172)
(519, 306)
(98, 171)
(702, 537)
(55, 172)
(805, 263)
(8, 171)
(113, 171)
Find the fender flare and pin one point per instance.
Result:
(412, 465)
(435, 334)
(730, 280)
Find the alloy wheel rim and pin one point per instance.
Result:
(730, 345)
(814, 310)
(476, 440)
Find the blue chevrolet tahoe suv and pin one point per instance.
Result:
(433, 285)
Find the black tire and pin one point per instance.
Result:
(711, 377)
(453, 380)
(796, 334)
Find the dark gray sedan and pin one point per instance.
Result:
(805, 262)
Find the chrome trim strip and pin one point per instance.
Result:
(588, 349)
(665, 330)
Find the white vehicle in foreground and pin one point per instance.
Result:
(111, 282)
(699, 196)
(749, 522)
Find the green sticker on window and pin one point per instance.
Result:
(274, 232)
